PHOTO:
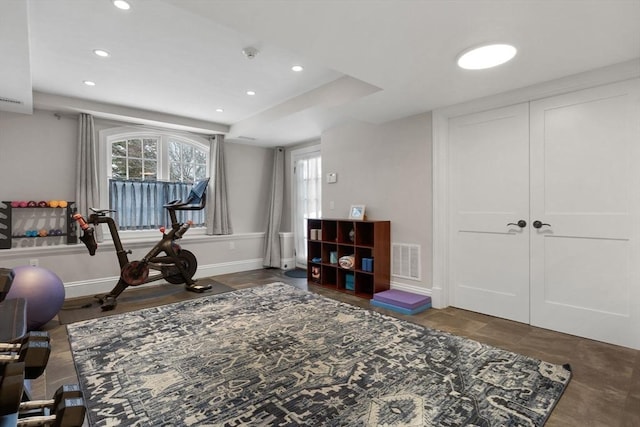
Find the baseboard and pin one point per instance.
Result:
(437, 297)
(411, 288)
(105, 284)
(229, 267)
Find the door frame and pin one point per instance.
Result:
(295, 154)
(441, 292)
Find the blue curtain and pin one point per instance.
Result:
(139, 204)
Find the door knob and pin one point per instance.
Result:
(522, 223)
(538, 224)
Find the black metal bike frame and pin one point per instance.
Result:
(151, 259)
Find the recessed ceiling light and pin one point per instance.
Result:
(250, 93)
(486, 56)
(297, 68)
(219, 110)
(89, 83)
(121, 4)
(102, 53)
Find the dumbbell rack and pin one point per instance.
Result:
(24, 356)
(6, 224)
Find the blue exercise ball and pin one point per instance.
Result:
(43, 291)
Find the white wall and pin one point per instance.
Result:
(33, 147)
(37, 162)
(386, 167)
(249, 178)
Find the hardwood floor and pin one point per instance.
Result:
(604, 390)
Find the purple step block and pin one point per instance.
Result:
(402, 298)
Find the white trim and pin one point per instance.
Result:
(107, 136)
(297, 154)
(134, 116)
(413, 289)
(440, 126)
(600, 76)
(440, 132)
(105, 284)
(107, 245)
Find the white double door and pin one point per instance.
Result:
(568, 167)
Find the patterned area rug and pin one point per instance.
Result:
(276, 355)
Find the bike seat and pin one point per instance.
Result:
(195, 201)
(101, 212)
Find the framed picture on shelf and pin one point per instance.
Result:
(356, 212)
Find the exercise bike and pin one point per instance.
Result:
(174, 264)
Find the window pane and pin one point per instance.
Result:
(174, 152)
(119, 168)
(135, 169)
(175, 173)
(150, 147)
(187, 153)
(201, 157)
(188, 172)
(135, 148)
(150, 170)
(119, 149)
(201, 172)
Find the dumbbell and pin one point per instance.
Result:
(33, 349)
(11, 387)
(66, 409)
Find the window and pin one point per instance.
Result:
(145, 170)
(135, 159)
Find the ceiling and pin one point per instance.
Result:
(177, 61)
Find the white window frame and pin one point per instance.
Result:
(107, 136)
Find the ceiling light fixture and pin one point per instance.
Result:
(219, 110)
(101, 53)
(89, 83)
(121, 4)
(486, 56)
(250, 93)
(297, 68)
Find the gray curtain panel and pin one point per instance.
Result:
(272, 238)
(218, 215)
(87, 191)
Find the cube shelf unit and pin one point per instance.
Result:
(8, 217)
(370, 239)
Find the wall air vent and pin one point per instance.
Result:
(9, 100)
(405, 261)
(246, 138)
